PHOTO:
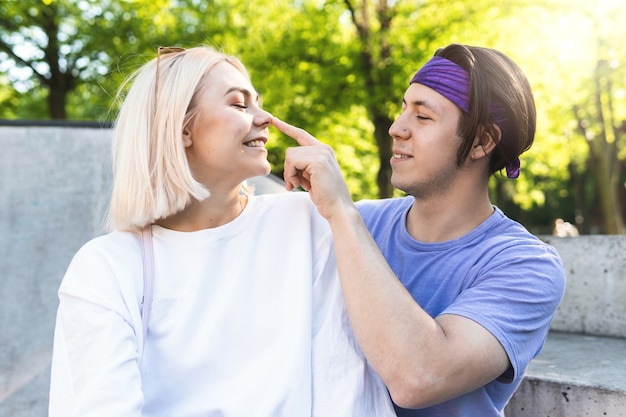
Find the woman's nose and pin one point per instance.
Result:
(262, 118)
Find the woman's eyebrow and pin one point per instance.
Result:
(244, 91)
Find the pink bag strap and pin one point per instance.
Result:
(147, 254)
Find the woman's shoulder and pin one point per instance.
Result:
(107, 271)
(288, 210)
(109, 252)
(116, 241)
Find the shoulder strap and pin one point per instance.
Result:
(148, 277)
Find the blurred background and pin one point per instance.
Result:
(339, 68)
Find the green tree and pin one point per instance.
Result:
(604, 129)
(581, 93)
(338, 68)
(73, 48)
(43, 37)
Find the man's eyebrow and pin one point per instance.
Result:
(424, 103)
(244, 91)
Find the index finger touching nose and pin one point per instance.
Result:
(301, 136)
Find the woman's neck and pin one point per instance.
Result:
(207, 214)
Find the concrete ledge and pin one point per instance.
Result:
(575, 375)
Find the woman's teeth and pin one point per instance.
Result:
(255, 143)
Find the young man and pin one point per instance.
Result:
(450, 299)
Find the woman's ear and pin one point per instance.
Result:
(187, 142)
(485, 143)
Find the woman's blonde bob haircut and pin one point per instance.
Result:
(151, 176)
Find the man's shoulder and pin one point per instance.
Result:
(382, 214)
(384, 205)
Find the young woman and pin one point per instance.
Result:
(247, 316)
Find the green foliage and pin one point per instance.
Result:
(17, 105)
(349, 134)
(305, 58)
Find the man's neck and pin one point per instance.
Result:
(443, 218)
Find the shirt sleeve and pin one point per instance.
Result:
(95, 369)
(515, 295)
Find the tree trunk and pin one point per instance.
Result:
(60, 83)
(606, 187)
(383, 141)
(604, 162)
(582, 214)
(57, 103)
(377, 80)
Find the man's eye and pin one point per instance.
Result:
(423, 117)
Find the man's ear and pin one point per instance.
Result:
(485, 143)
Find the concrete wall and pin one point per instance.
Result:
(54, 187)
(596, 288)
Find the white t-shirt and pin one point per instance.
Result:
(247, 320)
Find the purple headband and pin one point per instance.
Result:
(453, 82)
(446, 78)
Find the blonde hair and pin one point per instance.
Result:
(151, 175)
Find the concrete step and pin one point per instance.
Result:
(575, 375)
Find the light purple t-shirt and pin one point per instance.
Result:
(498, 275)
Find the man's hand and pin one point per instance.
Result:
(313, 166)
